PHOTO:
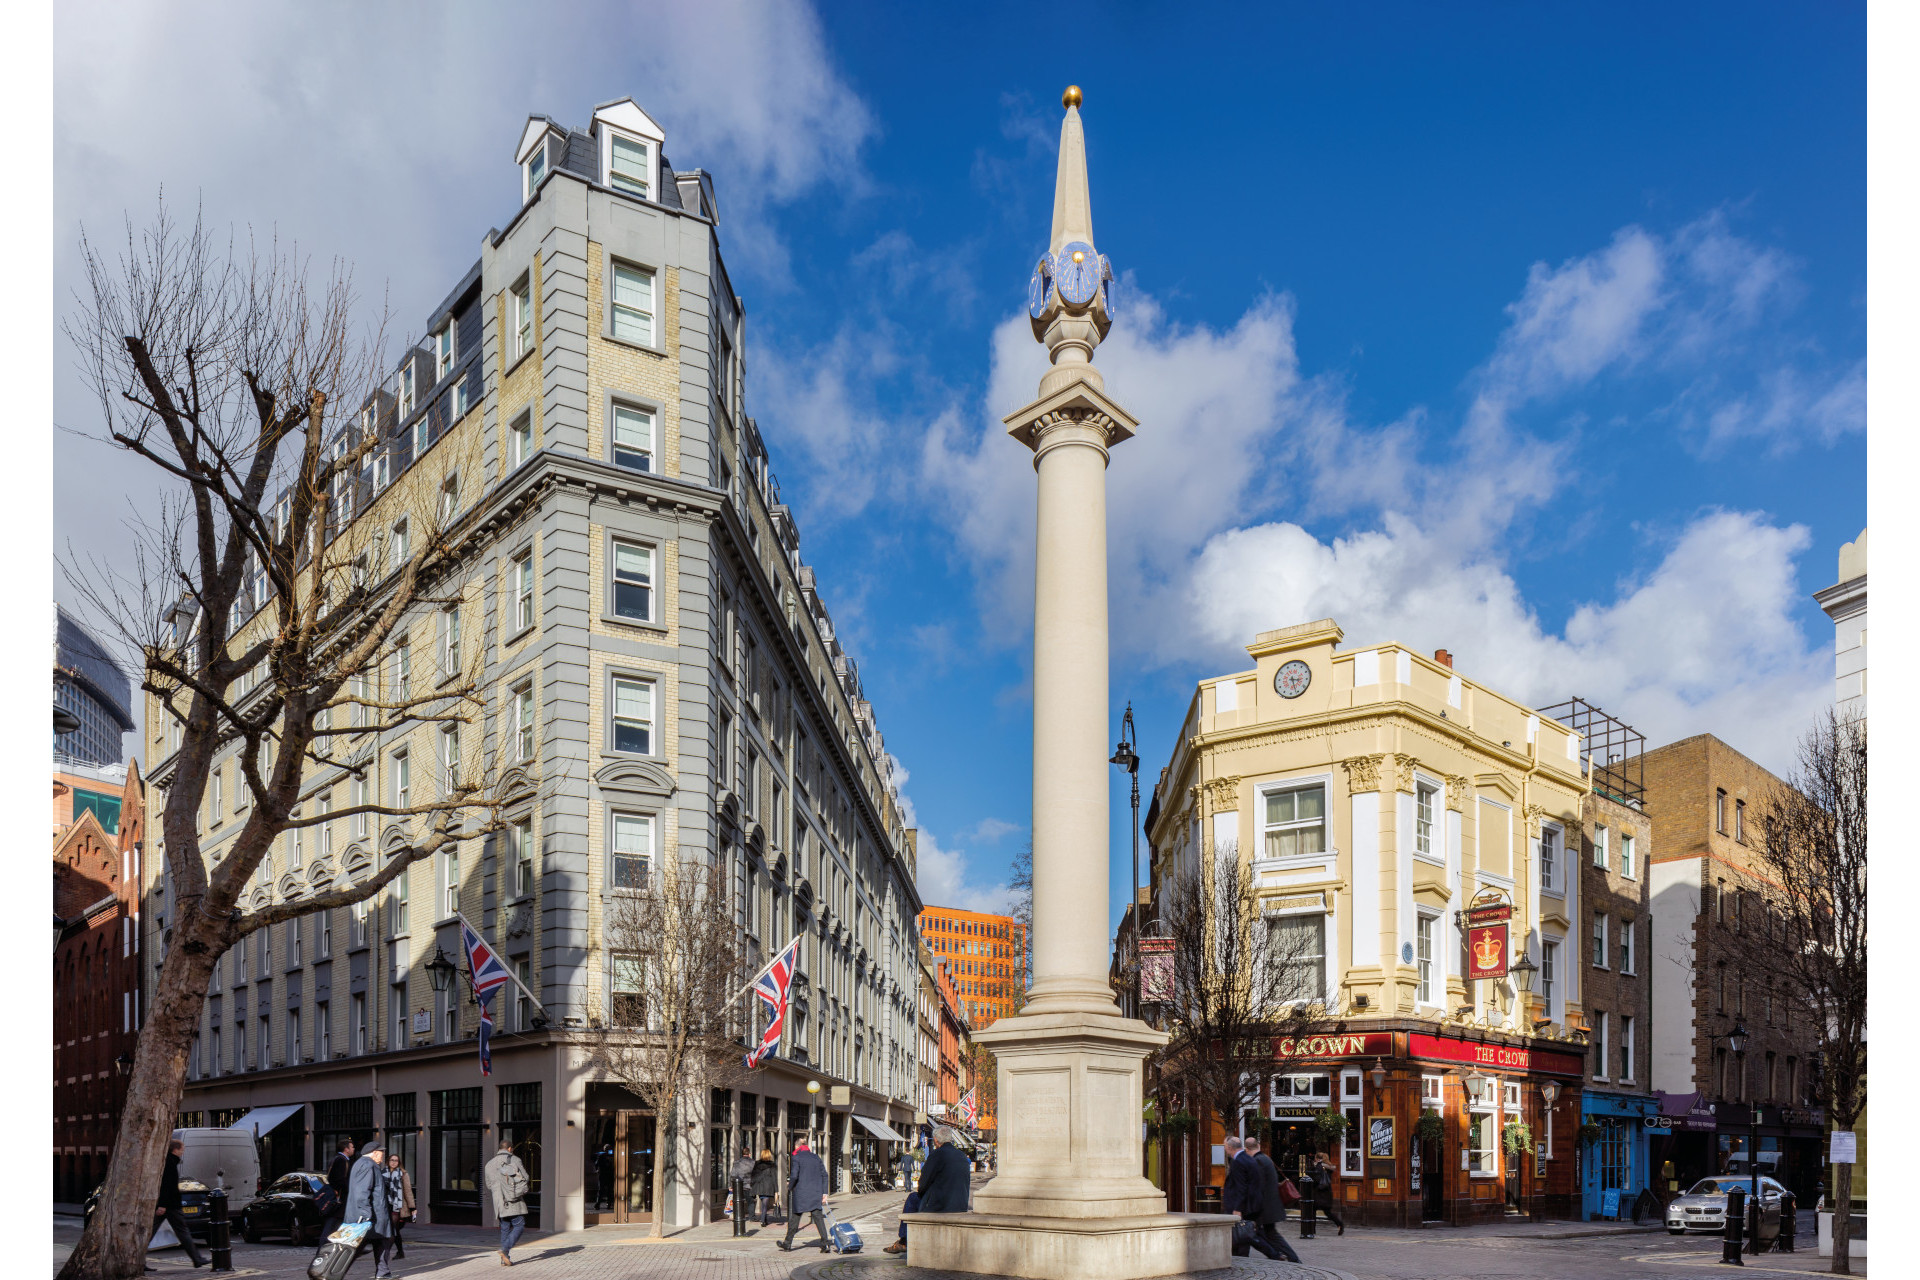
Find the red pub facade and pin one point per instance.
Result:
(1389, 1169)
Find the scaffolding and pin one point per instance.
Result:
(1613, 751)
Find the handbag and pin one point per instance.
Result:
(1289, 1194)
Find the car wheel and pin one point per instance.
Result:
(1676, 1231)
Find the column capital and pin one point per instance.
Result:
(1080, 409)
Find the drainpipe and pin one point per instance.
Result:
(1533, 888)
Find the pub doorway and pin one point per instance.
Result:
(1433, 1177)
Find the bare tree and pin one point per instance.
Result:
(1245, 986)
(1020, 882)
(1812, 936)
(678, 962)
(263, 612)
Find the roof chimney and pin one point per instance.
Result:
(1444, 658)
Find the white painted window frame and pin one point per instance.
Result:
(1261, 862)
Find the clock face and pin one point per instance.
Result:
(1292, 679)
(1077, 272)
(1106, 282)
(1039, 286)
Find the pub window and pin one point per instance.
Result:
(1298, 944)
(1433, 1094)
(1295, 822)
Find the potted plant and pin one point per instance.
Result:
(1329, 1127)
(1589, 1132)
(1178, 1125)
(1517, 1137)
(1430, 1127)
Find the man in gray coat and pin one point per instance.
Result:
(507, 1179)
(367, 1201)
(806, 1193)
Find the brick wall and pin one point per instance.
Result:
(1620, 893)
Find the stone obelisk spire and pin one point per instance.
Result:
(1070, 429)
(1068, 1200)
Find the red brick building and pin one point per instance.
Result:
(96, 973)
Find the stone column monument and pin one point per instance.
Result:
(1069, 1199)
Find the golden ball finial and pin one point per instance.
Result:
(1071, 98)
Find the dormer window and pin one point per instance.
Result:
(406, 389)
(443, 352)
(536, 168)
(630, 167)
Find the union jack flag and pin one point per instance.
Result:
(486, 1037)
(773, 986)
(485, 969)
(970, 1108)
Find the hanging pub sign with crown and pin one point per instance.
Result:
(1488, 917)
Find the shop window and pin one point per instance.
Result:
(1433, 1094)
(1613, 1154)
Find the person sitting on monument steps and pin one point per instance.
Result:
(945, 1184)
(806, 1193)
(1264, 1198)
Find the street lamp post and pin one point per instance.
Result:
(1128, 757)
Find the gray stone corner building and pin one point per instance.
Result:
(663, 681)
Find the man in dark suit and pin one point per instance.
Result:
(1238, 1198)
(806, 1193)
(339, 1173)
(1265, 1199)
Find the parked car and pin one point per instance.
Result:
(193, 1205)
(1704, 1206)
(293, 1206)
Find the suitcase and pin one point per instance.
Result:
(337, 1252)
(841, 1237)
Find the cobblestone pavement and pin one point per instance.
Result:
(1520, 1252)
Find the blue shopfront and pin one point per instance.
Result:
(1613, 1155)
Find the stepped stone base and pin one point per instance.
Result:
(1128, 1248)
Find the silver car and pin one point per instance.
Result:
(1704, 1206)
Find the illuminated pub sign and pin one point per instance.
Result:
(1319, 1046)
(1487, 922)
(1501, 1057)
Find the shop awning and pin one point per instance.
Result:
(879, 1129)
(965, 1141)
(267, 1118)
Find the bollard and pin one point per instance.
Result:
(1789, 1211)
(219, 1230)
(1308, 1212)
(1733, 1224)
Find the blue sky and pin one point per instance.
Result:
(1533, 333)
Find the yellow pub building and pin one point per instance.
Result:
(1399, 819)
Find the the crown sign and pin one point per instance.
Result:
(1487, 951)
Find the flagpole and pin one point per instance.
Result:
(763, 969)
(461, 917)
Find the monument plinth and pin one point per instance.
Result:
(1068, 1198)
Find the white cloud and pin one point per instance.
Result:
(1209, 403)
(1705, 642)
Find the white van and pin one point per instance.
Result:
(221, 1157)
